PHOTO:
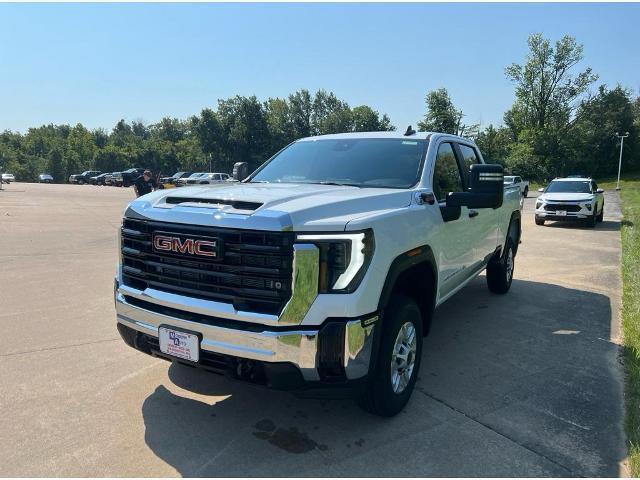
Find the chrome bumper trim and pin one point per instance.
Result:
(358, 345)
(299, 347)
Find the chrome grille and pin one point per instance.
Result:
(253, 272)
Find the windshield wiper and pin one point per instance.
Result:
(339, 184)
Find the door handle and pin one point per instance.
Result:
(473, 213)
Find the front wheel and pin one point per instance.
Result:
(500, 270)
(592, 220)
(398, 361)
(526, 192)
(539, 221)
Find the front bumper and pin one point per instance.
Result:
(570, 216)
(333, 354)
(581, 213)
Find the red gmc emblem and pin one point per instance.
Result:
(191, 246)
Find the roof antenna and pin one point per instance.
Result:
(410, 131)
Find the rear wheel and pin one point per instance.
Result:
(398, 360)
(500, 270)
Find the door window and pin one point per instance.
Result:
(446, 173)
(469, 157)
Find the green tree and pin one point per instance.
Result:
(442, 115)
(598, 118)
(56, 166)
(329, 114)
(546, 86)
(300, 112)
(494, 144)
(366, 119)
(245, 134)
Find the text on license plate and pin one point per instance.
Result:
(561, 213)
(179, 344)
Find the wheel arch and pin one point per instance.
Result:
(413, 273)
(514, 230)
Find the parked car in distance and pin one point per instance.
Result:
(8, 178)
(127, 177)
(170, 182)
(84, 177)
(98, 179)
(208, 179)
(571, 198)
(181, 182)
(109, 179)
(515, 180)
(45, 178)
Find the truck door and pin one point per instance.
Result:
(483, 224)
(454, 245)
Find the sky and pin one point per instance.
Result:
(98, 63)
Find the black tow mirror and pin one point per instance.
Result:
(486, 189)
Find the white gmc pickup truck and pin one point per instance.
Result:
(321, 271)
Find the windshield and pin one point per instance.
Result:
(509, 179)
(362, 162)
(569, 187)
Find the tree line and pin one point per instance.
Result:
(560, 123)
(239, 129)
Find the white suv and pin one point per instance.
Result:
(570, 199)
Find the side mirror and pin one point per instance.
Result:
(486, 188)
(599, 190)
(541, 189)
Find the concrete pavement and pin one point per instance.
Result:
(526, 384)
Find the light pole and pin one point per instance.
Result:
(209, 163)
(621, 137)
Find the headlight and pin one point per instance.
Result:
(538, 205)
(344, 258)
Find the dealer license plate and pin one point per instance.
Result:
(179, 344)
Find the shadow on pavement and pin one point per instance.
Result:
(524, 384)
(606, 225)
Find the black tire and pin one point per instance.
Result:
(526, 192)
(592, 220)
(379, 397)
(539, 221)
(500, 270)
(600, 217)
(80, 182)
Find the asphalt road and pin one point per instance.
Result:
(527, 384)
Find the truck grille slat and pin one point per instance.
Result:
(254, 271)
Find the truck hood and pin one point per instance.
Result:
(268, 206)
(566, 197)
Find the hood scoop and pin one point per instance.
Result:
(236, 204)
